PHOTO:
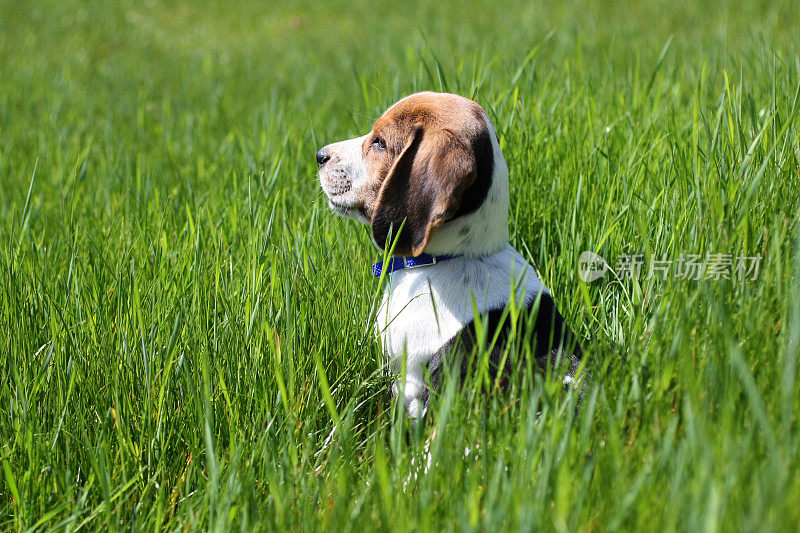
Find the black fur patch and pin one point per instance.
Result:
(484, 161)
(543, 328)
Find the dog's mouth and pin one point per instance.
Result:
(348, 210)
(342, 208)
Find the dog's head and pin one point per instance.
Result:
(431, 162)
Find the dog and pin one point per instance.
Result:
(431, 182)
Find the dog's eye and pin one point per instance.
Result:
(378, 143)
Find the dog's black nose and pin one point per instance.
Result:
(322, 157)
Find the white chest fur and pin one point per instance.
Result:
(423, 308)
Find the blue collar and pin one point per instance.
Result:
(401, 262)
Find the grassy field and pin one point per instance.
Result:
(185, 336)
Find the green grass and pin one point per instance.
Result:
(184, 326)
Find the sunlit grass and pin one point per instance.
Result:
(184, 327)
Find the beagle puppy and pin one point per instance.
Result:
(430, 180)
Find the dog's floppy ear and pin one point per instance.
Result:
(424, 187)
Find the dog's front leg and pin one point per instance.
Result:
(411, 388)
